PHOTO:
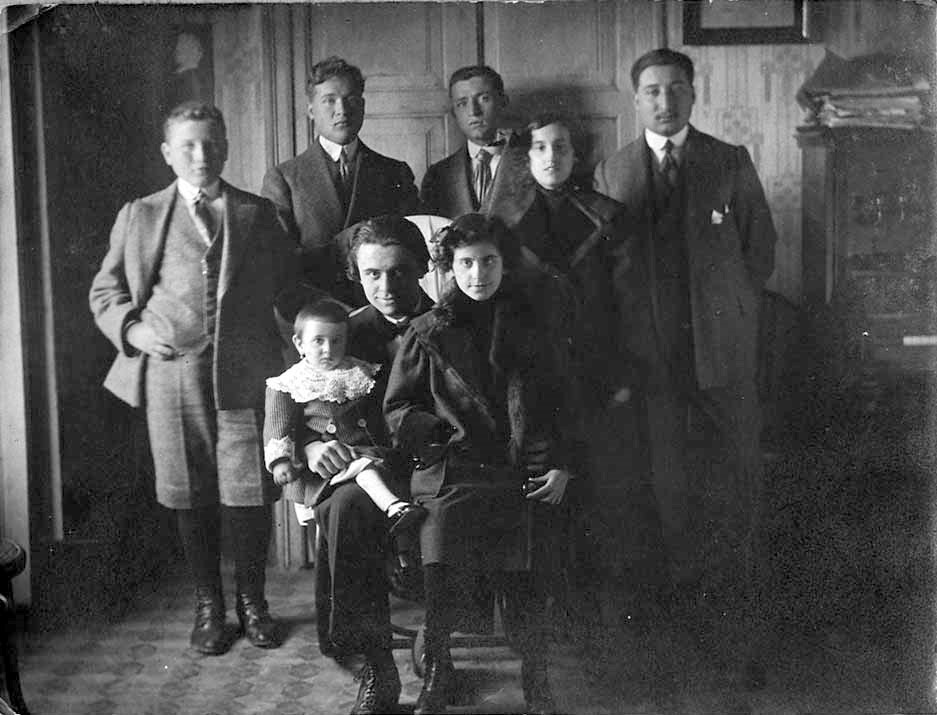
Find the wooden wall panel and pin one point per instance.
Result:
(571, 58)
(14, 436)
(419, 141)
(571, 43)
(406, 52)
(241, 92)
(558, 57)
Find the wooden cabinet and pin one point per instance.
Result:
(869, 246)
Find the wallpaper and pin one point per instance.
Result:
(745, 95)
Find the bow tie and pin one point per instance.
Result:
(496, 147)
(398, 328)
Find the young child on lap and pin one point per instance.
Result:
(328, 395)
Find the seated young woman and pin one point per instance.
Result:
(477, 395)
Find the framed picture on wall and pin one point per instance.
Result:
(190, 75)
(743, 22)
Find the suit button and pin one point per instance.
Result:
(331, 428)
(718, 312)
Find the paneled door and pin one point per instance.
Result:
(406, 52)
(572, 58)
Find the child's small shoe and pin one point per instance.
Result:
(406, 518)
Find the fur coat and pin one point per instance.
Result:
(462, 414)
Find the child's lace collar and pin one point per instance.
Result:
(303, 382)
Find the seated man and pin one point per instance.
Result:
(387, 256)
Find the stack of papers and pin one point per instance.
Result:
(867, 92)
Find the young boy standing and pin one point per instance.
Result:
(185, 294)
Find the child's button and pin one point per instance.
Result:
(331, 428)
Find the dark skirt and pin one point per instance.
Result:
(487, 525)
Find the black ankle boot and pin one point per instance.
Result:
(437, 686)
(379, 691)
(208, 633)
(256, 624)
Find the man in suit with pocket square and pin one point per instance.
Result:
(689, 288)
(334, 184)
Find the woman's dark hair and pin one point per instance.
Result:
(470, 229)
(387, 231)
(521, 181)
(545, 119)
(325, 310)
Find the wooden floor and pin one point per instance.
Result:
(138, 664)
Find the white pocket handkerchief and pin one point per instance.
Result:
(718, 217)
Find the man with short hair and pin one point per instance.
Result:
(387, 256)
(185, 294)
(689, 291)
(470, 179)
(334, 184)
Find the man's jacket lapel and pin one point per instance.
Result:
(238, 224)
(325, 199)
(144, 255)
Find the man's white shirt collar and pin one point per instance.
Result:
(656, 141)
(189, 192)
(420, 308)
(473, 150)
(334, 150)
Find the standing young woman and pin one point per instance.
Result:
(477, 395)
(582, 235)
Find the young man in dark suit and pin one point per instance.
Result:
(689, 293)
(186, 293)
(335, 183)
(387, 256)
(471, 179)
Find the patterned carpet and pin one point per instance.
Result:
(139, 664)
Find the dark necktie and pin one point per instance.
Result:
(344, 170)
(482, 178)
(204, 215)
(668, 165)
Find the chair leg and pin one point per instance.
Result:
(11, 671)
